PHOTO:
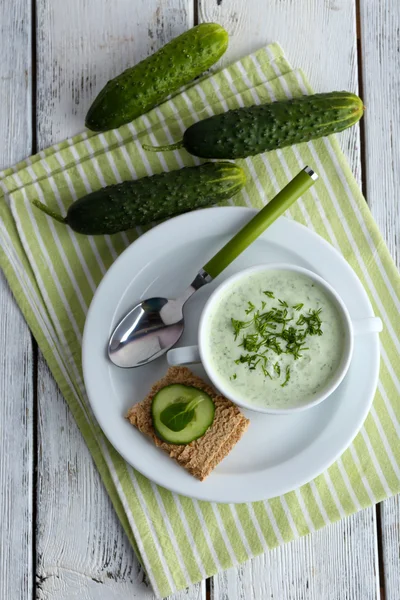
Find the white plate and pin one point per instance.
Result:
(277, 453)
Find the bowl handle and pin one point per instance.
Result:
(363, 326)
(183, 356)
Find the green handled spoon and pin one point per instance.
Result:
(153, 326)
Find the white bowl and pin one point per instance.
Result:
(192, 354)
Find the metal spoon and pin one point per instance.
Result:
(153, 326)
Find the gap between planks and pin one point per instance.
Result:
(35, 348)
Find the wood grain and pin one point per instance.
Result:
(321, 38)
(390, 520)
(379, 25)
(84, 43)
(379, 37)
(16, 362)
(82, 550)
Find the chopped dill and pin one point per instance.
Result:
(239, 325)
(277, 368)
(274, 331)
(250, 307)
(287, 377)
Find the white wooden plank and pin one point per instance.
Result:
(390, 522)
(379, 28)
(379, 25)
(319, 37)
(82, 550)
(16, 373)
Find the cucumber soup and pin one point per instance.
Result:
(275, 337)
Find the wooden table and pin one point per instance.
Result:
(59, 536)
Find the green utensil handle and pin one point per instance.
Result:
(263, 219)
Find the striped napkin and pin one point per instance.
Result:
(54, 274)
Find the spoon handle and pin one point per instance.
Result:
(263, 219)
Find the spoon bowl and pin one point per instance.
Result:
(150, 329)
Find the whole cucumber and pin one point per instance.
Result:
(145, 85)
(140, 202)
(248, 131)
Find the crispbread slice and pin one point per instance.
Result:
(201, 456)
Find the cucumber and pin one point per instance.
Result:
(140, 88)
(248, 131)
(181, 413)
(131, 203)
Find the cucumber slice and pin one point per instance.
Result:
(192, 415)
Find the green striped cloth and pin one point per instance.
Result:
(54, 274)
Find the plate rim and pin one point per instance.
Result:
(154, 476)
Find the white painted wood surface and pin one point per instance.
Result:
(379, 29)
(390, 515)
(81, 549)
(16, 362)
